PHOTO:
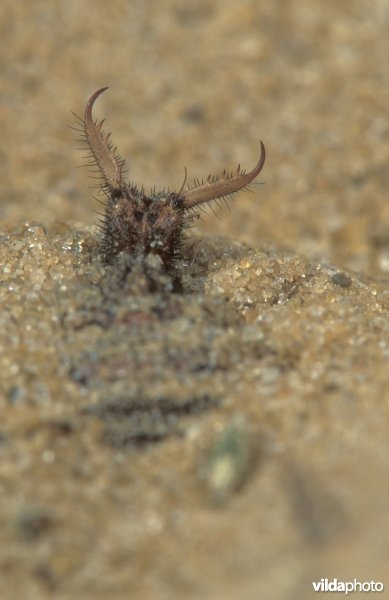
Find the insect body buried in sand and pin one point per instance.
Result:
(138, 223)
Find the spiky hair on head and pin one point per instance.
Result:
(141, 224)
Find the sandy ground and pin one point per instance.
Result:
(228, 441)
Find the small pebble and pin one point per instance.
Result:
(341, 279)
(229, 460)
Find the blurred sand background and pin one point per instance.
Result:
(198, 84)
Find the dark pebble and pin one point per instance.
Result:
(341, 279)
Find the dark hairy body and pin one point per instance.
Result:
(141, 224)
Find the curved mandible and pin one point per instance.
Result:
(225, 185)
(103, 151)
